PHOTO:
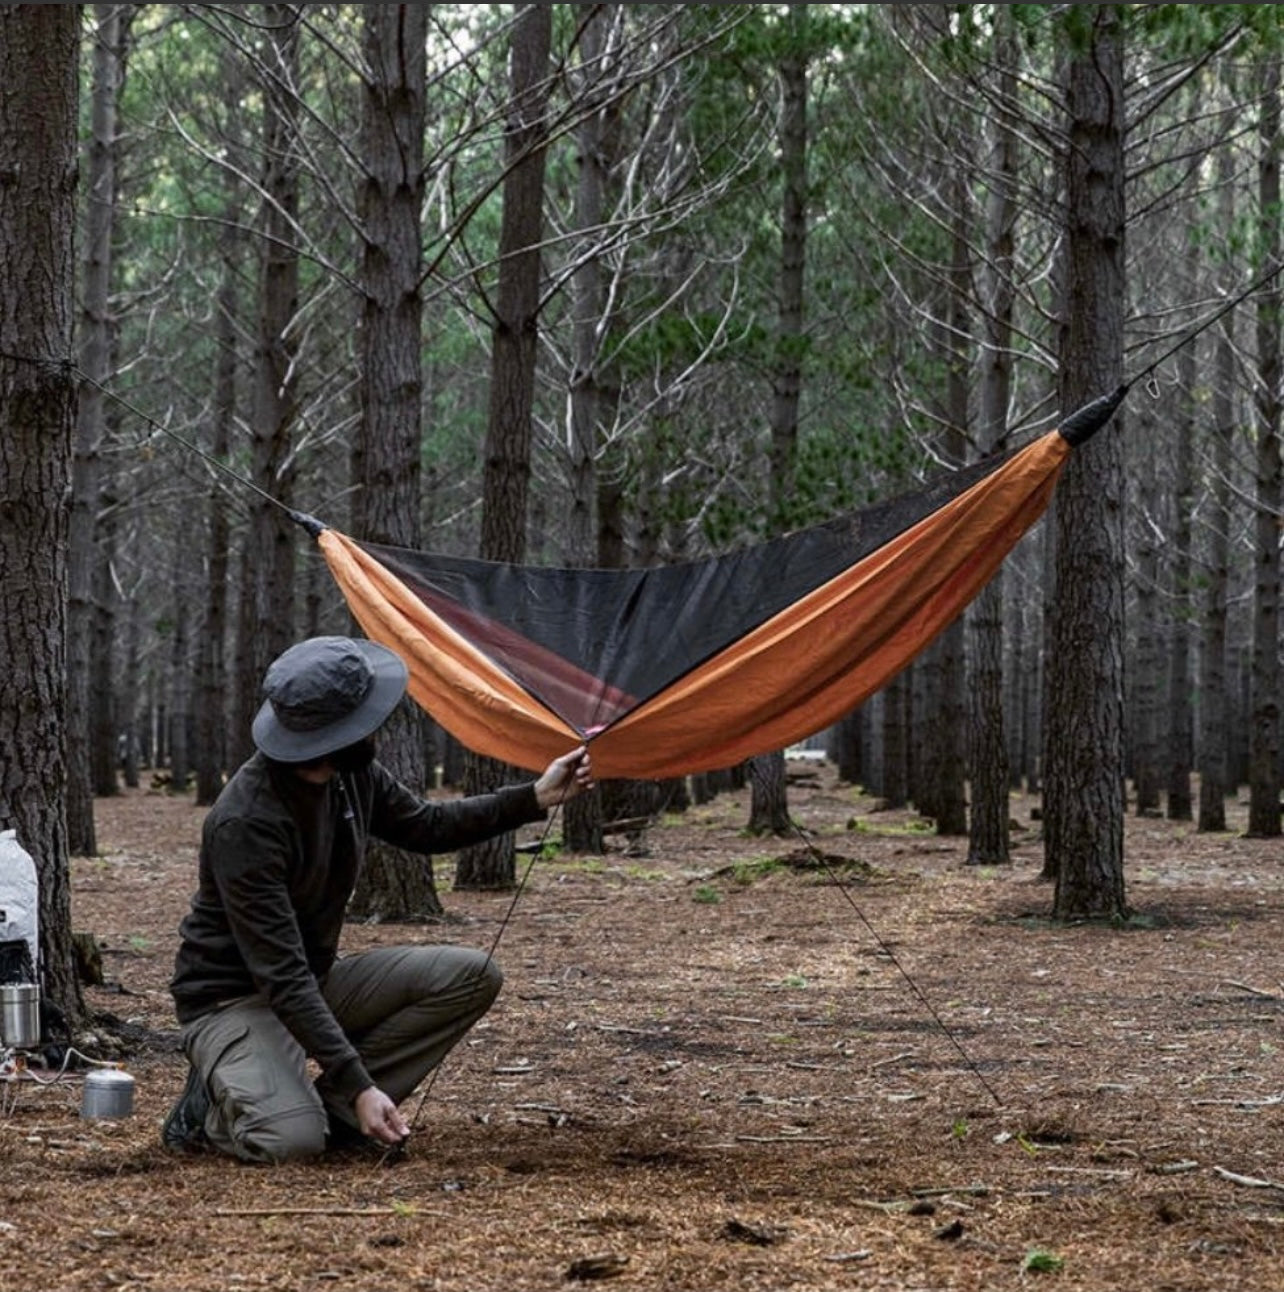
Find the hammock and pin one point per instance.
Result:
(687, 668)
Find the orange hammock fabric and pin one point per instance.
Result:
(789, 676)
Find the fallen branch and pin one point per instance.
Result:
(1270, 1101)
(1252, 991)
(962, 1190)
(1248, 1181)
(895, 1058)
(785, 1139)
(1106, 1173)
(628, 825)
(326, 1211)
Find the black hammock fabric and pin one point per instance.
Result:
(689, 667)
(593, 644)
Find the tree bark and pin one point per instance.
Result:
(38, 146)
(846, 748)
(394, 885)
(1144, 693)
(179, 688)
(768, 795)
(1181, 735)
(212, 746)
(583, 817)
(1264, 749)
(1214, 707)
(588, 325)
(507, 466)
(105, 711)
(894, 787)
(769, 808)
(948, 726)
(988, 824)
(131, 738)
(95, 363)
(268, 590)
(1083, 798)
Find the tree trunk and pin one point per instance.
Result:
(1144, 693)
(769, 804)
(769, 808)
(582, 817)
(1032, 690)
(582, 825)
(588, 326)
(95, 362)
(1180, 731)
(872, 760)
(129, 696)
(104, 708)
(1241, 729)
(246, 691)
(988, 831)
(948, 725)
(38, 52)
(926, 730)
(270, 560)
(393, 885)
(1083, 798)
(846, 748)
(213, 712)
(1214, 707)
(507, 466)
(180, 675)
(452, 762)
(894, 789)
(1264, 751)
(988, 835)
(673, 795)
(1014, 687)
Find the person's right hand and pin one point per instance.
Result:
(565, 778)
(379, 1117)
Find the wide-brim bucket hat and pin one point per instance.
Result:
(325, 693)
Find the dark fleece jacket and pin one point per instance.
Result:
(279, 860)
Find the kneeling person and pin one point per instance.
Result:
(258, 985)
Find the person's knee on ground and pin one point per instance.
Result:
(262, 1103)
(292, 1135)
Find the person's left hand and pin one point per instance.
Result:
(565, 778)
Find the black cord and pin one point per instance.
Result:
(396, 1149)
(1192, 333)
(886, 950)
(66, 366)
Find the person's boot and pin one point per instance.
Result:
(184, 1129)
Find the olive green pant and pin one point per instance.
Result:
(403, 1008)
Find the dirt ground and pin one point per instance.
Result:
(708, 1071)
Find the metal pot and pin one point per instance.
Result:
(20, 1015)
(108, 1094)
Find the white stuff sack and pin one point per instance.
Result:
(19, 895)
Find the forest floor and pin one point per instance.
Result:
(707, 1070)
